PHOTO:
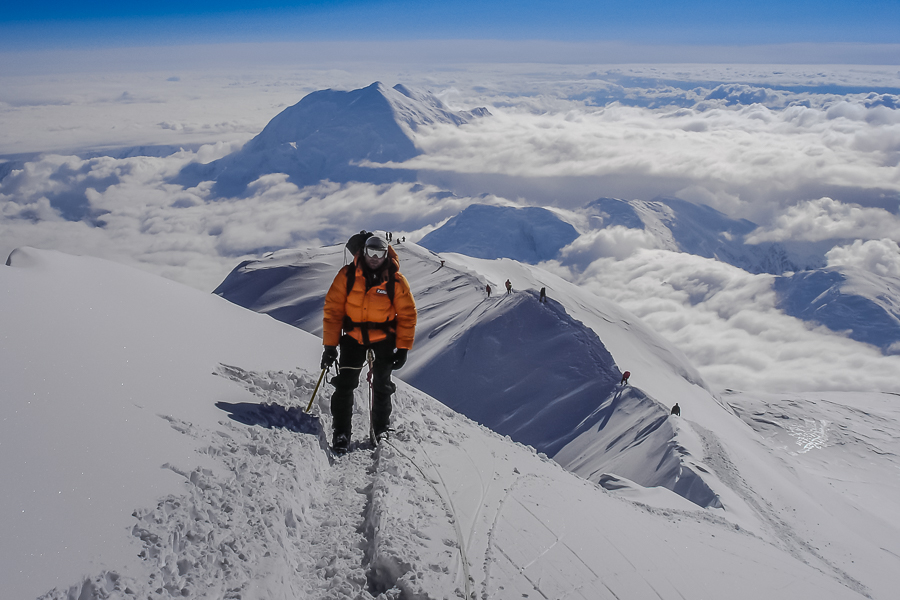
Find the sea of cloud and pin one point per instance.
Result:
(727, 322)
(806, 152)
(826, 218)
(747, 161)
(881, 257)
(133, 215)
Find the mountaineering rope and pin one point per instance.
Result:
(370, 358)
(447, 501)
(448, 505)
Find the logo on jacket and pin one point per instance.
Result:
(381, 291)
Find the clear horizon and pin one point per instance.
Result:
(60, 25)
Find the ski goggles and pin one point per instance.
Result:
(376, 252)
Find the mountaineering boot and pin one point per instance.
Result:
(340, 443)
(382, 436)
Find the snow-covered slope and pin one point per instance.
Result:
(682, 226)
(136, 464)
(327, 135)
(630, 427)
(546, 374)
(865, 305)
(101, 366)
(527, 234)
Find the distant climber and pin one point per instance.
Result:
(676, 410)
(625, 377)
(508, 287)
(487, 288)
(543, 297)
(369, 306)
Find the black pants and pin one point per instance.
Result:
(351, 363)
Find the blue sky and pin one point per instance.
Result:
(27, 26)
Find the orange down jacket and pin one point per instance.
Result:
(373, 306)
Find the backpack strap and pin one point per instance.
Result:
(351, 276)
(391, 282)
(388, 327)
(351, 280)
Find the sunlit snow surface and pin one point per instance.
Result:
(154, 446)
(546, 374)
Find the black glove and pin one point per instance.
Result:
(399, 358)
(329, 356)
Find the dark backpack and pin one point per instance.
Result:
(357, 241)
(355, 245)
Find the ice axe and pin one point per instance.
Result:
(318, 383)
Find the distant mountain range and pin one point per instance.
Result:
(697, 229)
(532, 234)
(344, 135)
(862, 305)
(328, 135)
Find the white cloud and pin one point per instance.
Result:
(826, 219)
(613, 242)
(142, 220)
(39, 210)
(881, 257)
(748, 161)
(543, 144)
(726, 322)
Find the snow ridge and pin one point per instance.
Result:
(562, 397)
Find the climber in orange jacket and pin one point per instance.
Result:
(368, 306)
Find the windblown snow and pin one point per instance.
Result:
(155, 445)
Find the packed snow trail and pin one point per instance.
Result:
(279, 519)
(249, 528)
(359, 499)
(448, 503)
